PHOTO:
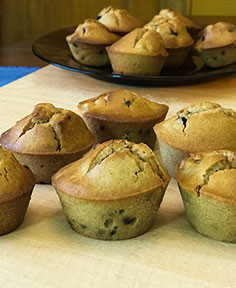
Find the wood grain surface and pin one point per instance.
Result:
(45, 252)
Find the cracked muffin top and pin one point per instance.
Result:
(113, 170)
(172, 32)
(15, 179)
(92, 32)
(201, 126)
(186, 22)
(123, 105)
(210, 173)
(119, 20)
(217, 35)
(140, 42)
(48, 130)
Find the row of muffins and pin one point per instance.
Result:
(122, 40)
(132, 181)
(115, 190)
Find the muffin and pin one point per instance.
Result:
(119, 20)
(177, 40)
(191, 27)
(122, 114)
(87, 44)
(217, 46)
(48, 139)
(207, 182)
(140, 52)
(16, 185)
(199, 127)
(113, 192)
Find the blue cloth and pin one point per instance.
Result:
(11, 73)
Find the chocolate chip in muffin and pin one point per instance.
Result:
(128, 220)
(102, 128)
(231, 29)
(173, 32)
(127, 103)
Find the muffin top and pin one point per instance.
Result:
(172, 32)
(119, 20)
(217, 35)
(113, 170)
(15, 179)
(123, 105)
(186, 22)
(210, 173)
(48, 130)
(201, 126)
(140, 42)
(92, 32)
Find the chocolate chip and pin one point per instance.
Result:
(140, 131)
(84, 30)
(231, 29)
(83, 226)
(74, 44)
(127, 103)
(128, 220)
(98, 17)
(82, 57)
(223, 53)
(203, 38)
(173, 32)
(113, 231)
(102, 128)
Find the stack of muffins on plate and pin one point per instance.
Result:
(132, 47)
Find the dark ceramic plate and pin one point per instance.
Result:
(53, 48)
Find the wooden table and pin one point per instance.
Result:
(45, 252)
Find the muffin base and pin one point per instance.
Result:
(105, 130)
(210, 217)
(218, 57)
(44, 166)
(89, 54)
(131, 64)
(176, 57)
(171, 157)
(114, 219)
(12, 213)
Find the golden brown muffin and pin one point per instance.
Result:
(88, 42)
(122, 114)
(113, 192)
(119, 20)
(199, 127)
(48, 139)
(177, 40)
(207, 182)
(141, 52)
(217, 46)
(16, 185)
(191, 27)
